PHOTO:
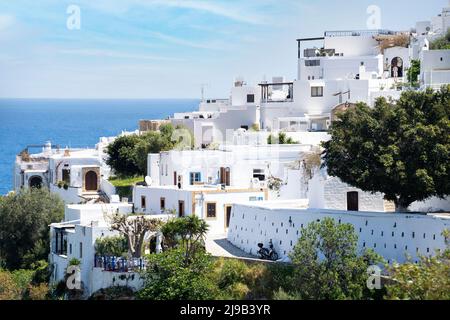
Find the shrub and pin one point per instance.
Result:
(111, 246)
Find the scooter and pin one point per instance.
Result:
(267, 254)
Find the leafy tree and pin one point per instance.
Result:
(111, 246)
(24, 231)
(169, 277)
(121, 155)
(401, 149)
(427, 280)
(413, 72)
(127, 155)
(134, 228)
(327, 264)
(186, 232)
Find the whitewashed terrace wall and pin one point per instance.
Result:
(390, 235)
(104, 279)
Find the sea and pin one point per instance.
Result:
(72, 123)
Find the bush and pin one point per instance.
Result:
(168, 277)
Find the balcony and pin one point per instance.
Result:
(277, 92)
(119, 264)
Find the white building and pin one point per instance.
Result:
(76, 175)
(392, 235)
(207, 182)
(75, 238)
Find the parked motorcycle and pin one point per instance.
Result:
(267, 254)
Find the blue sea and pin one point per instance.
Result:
(73, 123)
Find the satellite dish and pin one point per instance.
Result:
(148, 180)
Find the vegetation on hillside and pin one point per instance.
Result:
(24, 231)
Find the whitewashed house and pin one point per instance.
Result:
(207, 182)
(76, 175)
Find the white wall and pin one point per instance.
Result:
(390, 235)
(104, 279)
(331, 193)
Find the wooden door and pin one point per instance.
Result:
(352, 201)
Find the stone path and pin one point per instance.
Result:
(219, 246)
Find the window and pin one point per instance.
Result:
(66, 175)
(312, 63)
(211, 210)
(195, 177)
(316, 91)
(162, 204)
(259, 173)
(70, 248)
(352, 201)
(143, 204)
(250, 98)
(81, 250)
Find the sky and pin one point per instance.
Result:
(170, 48)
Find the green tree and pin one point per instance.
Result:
(427, 280)
(121, 155)
(169, 277)
(281, 139)
(401, 149)
(111, 246)
(413, 72)
(127, 155)
(327, 264)
(24, 231)
(186, 232)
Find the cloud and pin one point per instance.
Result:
(6, 21)
(183, 42)
(115, 54)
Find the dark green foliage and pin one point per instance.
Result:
(111, 246)
(127, 155)
(169, 277)
(401, 150)
(186, 232)
(327, 264)
(24, 231)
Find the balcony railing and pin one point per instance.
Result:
(119, 264)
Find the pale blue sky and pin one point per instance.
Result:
(168, 48)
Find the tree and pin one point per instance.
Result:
(127, 155)
(413, 72)
(111, 246)
(327, 264)
(134, 228)
(169, 277)
(427, 280)
(24, 231)
(401, 149)
(186, 232)
(121, 155)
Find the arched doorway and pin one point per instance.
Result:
(90, 181)
(35, 182)
(397, 67)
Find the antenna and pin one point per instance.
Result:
(202, 89)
